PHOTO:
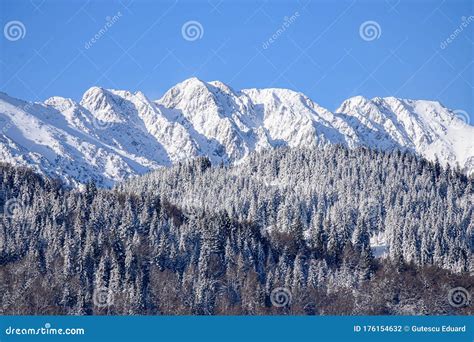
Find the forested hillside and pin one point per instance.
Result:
(421, 211)
(284, 232)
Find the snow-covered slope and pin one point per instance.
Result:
(423, 127)
(111, 135)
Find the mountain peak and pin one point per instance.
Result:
(58, 101)
(93, 92)
(354, 101)
(186, 90)
(220, 86)
(106, 105)
(113, 134)
(191, 82)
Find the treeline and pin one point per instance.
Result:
(334, 195)
(285, 232)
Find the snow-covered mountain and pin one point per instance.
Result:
(111, 135)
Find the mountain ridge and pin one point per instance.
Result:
(111, 135)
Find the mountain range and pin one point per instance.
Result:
(111, 135)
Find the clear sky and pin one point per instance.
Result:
(318, 47)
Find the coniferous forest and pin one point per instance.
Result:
(323, 231)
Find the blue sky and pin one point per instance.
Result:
(320, 51)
